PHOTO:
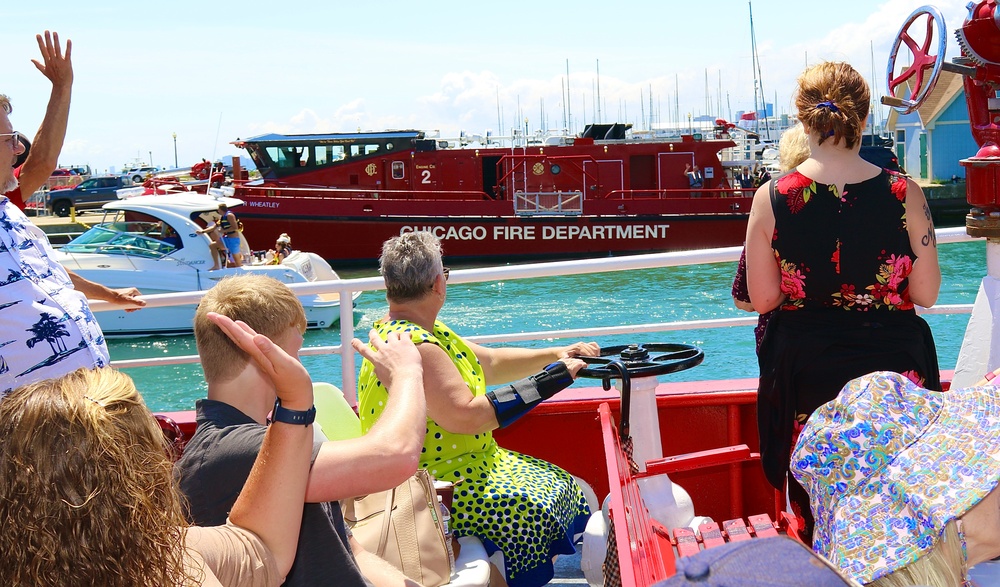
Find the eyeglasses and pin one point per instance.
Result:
(12, 138)
(446, 271)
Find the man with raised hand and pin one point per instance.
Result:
(43, 157)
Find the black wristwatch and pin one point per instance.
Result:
(287, 416)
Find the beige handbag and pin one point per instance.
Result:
(411, 537)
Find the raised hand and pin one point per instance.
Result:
(289, 376)
(396, 356)
(55, 64)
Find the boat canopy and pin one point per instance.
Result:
(283, 155)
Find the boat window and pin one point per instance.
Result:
(327, 154)
(111, 239)
(285, 157)
(397, 170)
(367, 149)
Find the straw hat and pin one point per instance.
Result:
(888, 464)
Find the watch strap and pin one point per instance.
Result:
(300, 417)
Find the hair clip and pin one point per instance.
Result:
(93, 400)
(829, 105)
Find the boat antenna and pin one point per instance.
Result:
(650, 106)
(677, 101)
(499, 117)
(565, 119)
(569, 112)
(642, 107)
(599, 91)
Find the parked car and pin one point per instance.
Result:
(89, 194)
(138, 175)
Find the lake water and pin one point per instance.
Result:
(609, 299)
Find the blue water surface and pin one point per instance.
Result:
(579, 301)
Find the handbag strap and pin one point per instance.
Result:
(383, 538)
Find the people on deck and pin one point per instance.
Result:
(220, 254)
(48, 328)
(524, 508)
(232, 424)
(761, 175)
(282, 248)
(843, 250)
(87, 497)
(903, 480)
(745, 178)
(230, 235)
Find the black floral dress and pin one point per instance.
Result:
(844, 260)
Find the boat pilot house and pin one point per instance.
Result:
(602, 192)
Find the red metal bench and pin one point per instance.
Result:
(646, 551)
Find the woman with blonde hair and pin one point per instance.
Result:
(843, 250)
(87, 495)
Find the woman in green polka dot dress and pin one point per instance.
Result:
(525, 508)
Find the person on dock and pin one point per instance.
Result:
(843, 250)
(48, 328)
(904, 480)
(499, 489)
(232, 424)
(87, 493)
(43, 157)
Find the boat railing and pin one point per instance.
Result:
(347, 287)
(301, 193)
(548, 203)
(681, 194)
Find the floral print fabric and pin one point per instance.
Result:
(46, 327)
(888, 464)
(833, 248)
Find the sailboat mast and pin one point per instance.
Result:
(757, 76)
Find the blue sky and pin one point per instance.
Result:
(213, 72)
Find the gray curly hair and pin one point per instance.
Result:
(409, 264)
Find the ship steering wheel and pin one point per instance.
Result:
(635, 360)
(642, 360)
(921, 60)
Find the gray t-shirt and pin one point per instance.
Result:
(216, 463)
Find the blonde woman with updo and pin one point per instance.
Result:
(843, 250)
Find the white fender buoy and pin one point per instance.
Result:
(668, 503)
(595, 546)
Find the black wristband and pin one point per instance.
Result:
(287, 416)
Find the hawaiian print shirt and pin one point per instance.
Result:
(846, 250)
(46, 326)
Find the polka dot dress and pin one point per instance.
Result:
(525, 507)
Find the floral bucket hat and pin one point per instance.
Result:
(888, 464)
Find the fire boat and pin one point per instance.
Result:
(605, 192)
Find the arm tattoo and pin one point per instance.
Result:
(929, 239)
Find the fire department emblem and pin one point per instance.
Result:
(371, 169)
(538, 169)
